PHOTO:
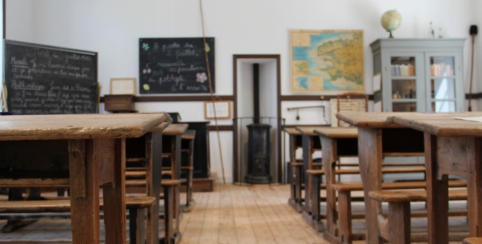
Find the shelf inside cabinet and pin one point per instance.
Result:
(442, 77)
(407, 100)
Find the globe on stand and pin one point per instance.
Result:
(391, 20)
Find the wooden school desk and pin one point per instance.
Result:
(146, 149)
(81, 151)
(336, 143)
(453, 147)
(378, 138)
(171, 143)
(311, 143)
(295, 200)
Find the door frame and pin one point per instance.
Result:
(277, 58)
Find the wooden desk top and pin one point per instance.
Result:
(292, 131)
(370, 120)
(309, 130)
(332, 132)
(443, 124)
(77, 126)
(161, 127)
(189, 135)
(175, 129)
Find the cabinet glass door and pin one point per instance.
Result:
(404, 83)
(442, 84)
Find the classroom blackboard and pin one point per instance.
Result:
(49, 80)
(175, 65)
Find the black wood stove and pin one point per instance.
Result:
(259, 145)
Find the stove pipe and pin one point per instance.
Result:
(256, 93)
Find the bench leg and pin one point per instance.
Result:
(298, 183)
(137, 226)
(168, 215)
(189, 200)
(399, 222)
(315, 206)
(344, 217)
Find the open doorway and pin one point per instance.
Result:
(269, 110)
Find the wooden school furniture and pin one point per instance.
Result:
(311, 144)
(473, 240)
(139, 229)
(187, 144)
(81, 151)
(344, 191)
(452, 148)
(171, 143)
(378, 138)
(296, 176)
(398, 228)
(142, 149)
(336, 143)
(146, 151)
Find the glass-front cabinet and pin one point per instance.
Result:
(423, 75)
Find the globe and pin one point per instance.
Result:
(391, 20)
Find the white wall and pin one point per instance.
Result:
(477, 20)
(267, 89)
(113, 27)
(269, 107)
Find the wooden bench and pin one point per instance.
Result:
(345, 215)
(473, 240)
(317, 186)
(397, 230)
(135, 205)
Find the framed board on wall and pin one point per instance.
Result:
(43, 79)
(175, 65)
(223, 110)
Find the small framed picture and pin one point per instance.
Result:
(223, 110)
(123, 86)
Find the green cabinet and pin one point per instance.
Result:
(419, 75)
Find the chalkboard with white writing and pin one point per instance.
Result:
(175, 65)
(49, 80)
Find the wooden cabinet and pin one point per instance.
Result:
(424, 75)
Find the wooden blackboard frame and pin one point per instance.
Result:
(95, 62)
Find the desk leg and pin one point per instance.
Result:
(176, 170)
(307, 164)
(84, 190)
(370, 158)
(329, 158)
(114, 197)
(474, 188)
(437, 195)
(153, 177)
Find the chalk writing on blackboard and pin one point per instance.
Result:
(49, 80)
(175, 65)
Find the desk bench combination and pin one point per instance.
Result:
(83, 152)
(449, 147)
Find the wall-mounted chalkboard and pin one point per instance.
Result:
(49, 80)
(175, 65)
